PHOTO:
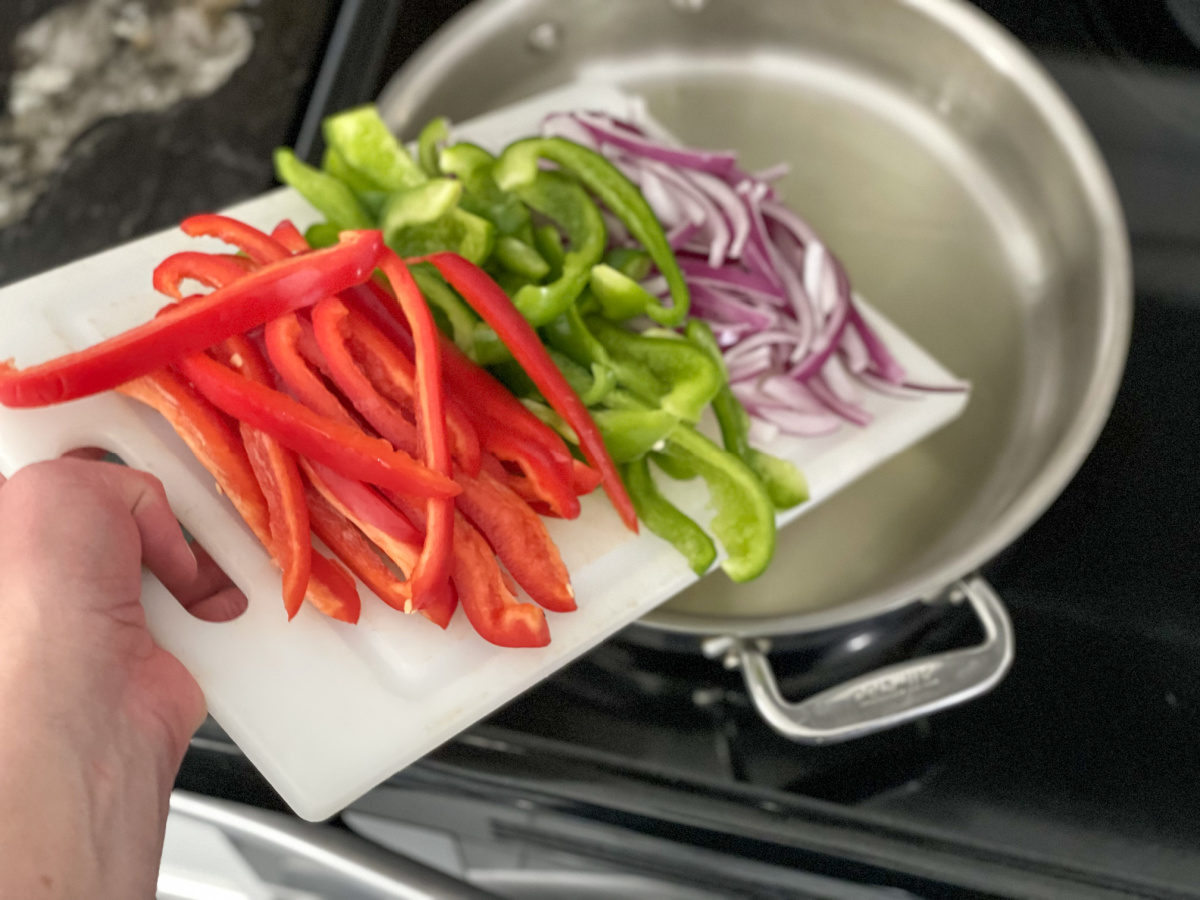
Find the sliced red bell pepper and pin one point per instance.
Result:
(385, 378)
(284, 338)
(519, 538)
(272, 291)
(487, 299)
(210, 437)
(471, 386)
(289, 236)
(259, 246)
(585, 478)
(343, 448)
(430, 580)
(541, 475)
(279, 477)
(495, 614)
(210, 269)
(332, 591)
(389, 529)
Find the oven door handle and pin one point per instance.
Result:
(889, 696)
(353, 861)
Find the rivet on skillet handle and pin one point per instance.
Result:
(890, 696)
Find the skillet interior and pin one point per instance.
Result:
(956, 185)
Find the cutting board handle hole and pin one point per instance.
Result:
(212, 597)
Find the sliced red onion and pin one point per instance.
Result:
(605, 131)
(780, 304)
(836, 404)
(731, 206)
(772, 173)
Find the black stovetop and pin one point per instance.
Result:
(1080, 772)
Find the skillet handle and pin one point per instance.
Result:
(892, 695)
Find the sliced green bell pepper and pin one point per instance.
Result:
(435, 132)
(619, 296)
(443, 297)
(745, 519)
(518, 257)
(664, 519)
(785, 484)
(568, 205)
(457, 232)
(481, 195)
(329, 195)
(335, 164)
(367, 145)
(419, 205)
(669, 372)
(517, 168)
(629, 434)
(630, 261)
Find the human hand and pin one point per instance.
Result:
(94, 716)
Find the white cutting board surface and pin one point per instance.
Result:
(327, 710)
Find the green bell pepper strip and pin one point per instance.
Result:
(473, 167)
(436, 131)
(419, 205)
(675, 467)
(662, 517)
(518, 167)
(568, 205)
(669, 372)
(785, 484)
(487, 348)
(321, 235)
(333, 163)
(518, 257)
(629, 434)
(552, 419)
(549, 244)
(630, 261)
(366, 144)
(458, 232)
(441, 296)
(329, 195)
(745, 519)
(619, 296)
(569, 334)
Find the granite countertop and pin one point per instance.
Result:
(120, 117)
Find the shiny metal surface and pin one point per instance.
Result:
(968, 201)
(351, 865)
(885, 698)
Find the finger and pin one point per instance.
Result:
(165, 551)
(212, 596)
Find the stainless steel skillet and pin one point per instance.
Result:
(970, 205)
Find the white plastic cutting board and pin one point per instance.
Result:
(327, 710)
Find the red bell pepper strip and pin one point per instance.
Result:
(361, 504)
(541, 474)
(495, 614)
(487, 299)
(585, 478)
(473, 387)
(279, 477)
(388, 529)
(272, 291)
(332, 591)
(284, 340)
(364, 351)
(210, 269)
(355, 551)
(343, 448)
(209, 436)
(259, 246)
(430, 580)
(289, 237)
(519, 537)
